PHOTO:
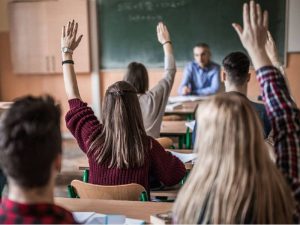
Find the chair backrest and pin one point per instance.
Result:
(165, 142)
(130, 192)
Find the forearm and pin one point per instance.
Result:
(169, 66)
(168, 49)
(259, 58)
(70, 80)
(284, 116)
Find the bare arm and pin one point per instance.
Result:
(69, 41)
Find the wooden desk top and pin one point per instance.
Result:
(131, 209)
(184, 151)
(170, 192)
(173, 128)
(186, 108)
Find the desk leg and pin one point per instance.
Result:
(189, 117)
(188, 143)
(181, 140)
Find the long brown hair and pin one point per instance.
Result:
(122, 142)
(137, 76)
(234, 179)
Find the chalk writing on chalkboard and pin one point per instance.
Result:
(149, 6)
(139, 17)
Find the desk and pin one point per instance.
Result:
(184, 151)
(169, 192)
(177, 129)
(131, 209)
(187, 108)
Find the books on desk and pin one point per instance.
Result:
(185, 157)
(172, 106)
(191, 124)
(186, 98)
(97, 218)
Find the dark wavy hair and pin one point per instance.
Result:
(236, 66)
(30, 140)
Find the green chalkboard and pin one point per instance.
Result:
(127, 28)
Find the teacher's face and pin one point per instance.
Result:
(202, 56)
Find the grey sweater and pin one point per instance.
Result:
(154, 101)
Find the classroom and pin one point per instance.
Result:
(155, 111)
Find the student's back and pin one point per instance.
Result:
(30, 156)
(119, 150)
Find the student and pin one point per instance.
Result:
(234, 180)
(236, 77)
(119, 150)
(153, 102)
(201, 76)
(31, 157)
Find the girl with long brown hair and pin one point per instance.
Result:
(153, 102)
(234, 180)
(119, 151)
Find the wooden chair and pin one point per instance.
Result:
(130, 192)
(165, 142)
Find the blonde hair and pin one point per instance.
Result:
(233, 180)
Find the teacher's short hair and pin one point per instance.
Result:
(201, 45)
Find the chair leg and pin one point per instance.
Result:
(144, 197)
(188, 139)
(71, 192)
(85, 176)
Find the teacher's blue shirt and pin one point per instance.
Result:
(201, 81)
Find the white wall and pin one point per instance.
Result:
(294, 26)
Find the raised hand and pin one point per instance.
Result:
(253, 34)
(68, 37)
(162, 33)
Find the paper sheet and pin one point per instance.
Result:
(185, 157)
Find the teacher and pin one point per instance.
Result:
(202, 76)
